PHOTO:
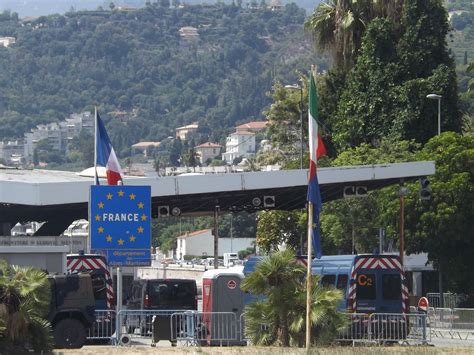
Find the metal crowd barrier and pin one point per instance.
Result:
(226, 328)
(242, 335)
(357, 329)
(133, 325)
(406, 328)
(381, 328)
(450, 300)
(178, 326)
(205, 328)
(456, 323)
(103, 327)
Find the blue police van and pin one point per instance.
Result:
(370, 283)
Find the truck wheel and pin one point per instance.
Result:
(69, 333)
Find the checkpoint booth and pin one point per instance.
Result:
(223, 306)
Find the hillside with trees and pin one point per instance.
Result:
(144, 75)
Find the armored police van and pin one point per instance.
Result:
(370, 283)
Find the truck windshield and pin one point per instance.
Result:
(169, 294)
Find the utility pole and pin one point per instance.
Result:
(216, 236)
(402, 192)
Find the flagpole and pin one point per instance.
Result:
(95, 146)
(96, 177)
(309, 277)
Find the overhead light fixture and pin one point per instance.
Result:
(425, 191)
(175, 211)
(361, 191)
(354, 191)
(256, 201)
(163, 211)
(268, 201)
(349, 191)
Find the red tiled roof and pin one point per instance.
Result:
(209, 145)
(242, 133)
(187, 235)
(253, 125)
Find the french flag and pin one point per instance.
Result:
(105, 154)
(316, 150)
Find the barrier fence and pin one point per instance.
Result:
(450, 300)
(154, 325)
(381, 328)
(456, 323)
(104, 326)
(227, 328)
(206, 328)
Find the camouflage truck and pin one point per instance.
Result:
(72, 309)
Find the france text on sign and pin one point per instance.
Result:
(120, 224)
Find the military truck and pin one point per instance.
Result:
(72, 309)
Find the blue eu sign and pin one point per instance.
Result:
(120, 224)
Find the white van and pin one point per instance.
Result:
(230, 259)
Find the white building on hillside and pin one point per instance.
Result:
(185, 132)
(12, 152)
(188, 32)
(201, 243)
(6, 41)
(207, 151)
(58, 134)
(239, 144)
(143, 147)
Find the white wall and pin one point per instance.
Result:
(51, 258)
(204, 243)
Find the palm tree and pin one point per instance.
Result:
(278, 317)
(326, 321)
(276, 277)
(339, 25)
(24, 302)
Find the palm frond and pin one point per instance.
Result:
(24, 300)
(40, 335)
(260, 320)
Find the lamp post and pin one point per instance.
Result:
(402, 192)
(300, 88)
(437, 97)
(440, 275)
(440, 278)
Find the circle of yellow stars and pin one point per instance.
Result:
(101, 229)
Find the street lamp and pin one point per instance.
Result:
(300, 88)
(437, 97)
(440, 275)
